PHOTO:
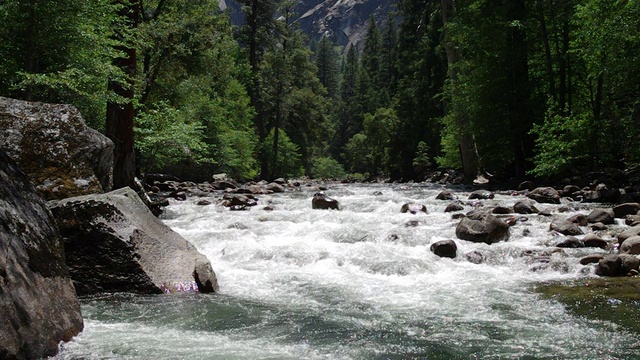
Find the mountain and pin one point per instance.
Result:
(344, 21)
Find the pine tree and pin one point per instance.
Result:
(327, 63)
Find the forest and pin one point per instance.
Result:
(506, 88)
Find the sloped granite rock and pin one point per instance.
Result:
(113, 243)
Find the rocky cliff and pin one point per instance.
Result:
(344, 21)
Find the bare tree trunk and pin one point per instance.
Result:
(119, 122)
(468, 150)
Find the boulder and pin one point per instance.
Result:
(579, 219)
(631, 246)
(231, 200)
(413, 208)
(605, 216)
(481, 195)
(622, 210)
(570, 242)
(482, 228)
(38, 303)
(570, 190)
(547, 195)
(630, 232)
(52, 144)
(593, 240)
(501, 210)
(445, 195)
(444, 248)
(454, 207)
(113, 243)
(322, 201)
(526, 185)
(275, 187)
(632, 220)
(565, 227)
(617, 265)
(591, 259)
(524, 207)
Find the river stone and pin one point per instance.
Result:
(605, 216)
(445, 195)
(632, 220)
(633, 231)
(38, 303)
(591, 259)
(413, 208)
(570, 242)
(454, 207)
(113, 243)
(593, 240)
(475, 257)
(322, 201)
(275, 187)
(623, 210)
(609, 266)
(52, 144)
(481, 195)
(579, 219)
(547, 195)
(631, 246)
(565, 227)
(524, 207)
(482, 228)
(444, 248)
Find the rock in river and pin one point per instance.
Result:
(113, 243)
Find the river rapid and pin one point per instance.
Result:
(359, 283)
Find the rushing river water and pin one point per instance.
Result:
(358, 283)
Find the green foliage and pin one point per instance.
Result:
(59, 51)
(327, 168)
(165, 136)
(288, 163)
(450, 146)
(560, 144)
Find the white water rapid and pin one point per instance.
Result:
(358, 283)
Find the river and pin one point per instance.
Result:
(358, 283)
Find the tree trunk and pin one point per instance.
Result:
(468, 150)
(119, 122)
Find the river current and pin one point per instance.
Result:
(359, 283)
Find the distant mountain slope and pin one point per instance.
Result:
(344, 21)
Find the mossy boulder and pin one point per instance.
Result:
(52, 144)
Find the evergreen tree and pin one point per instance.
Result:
(327, 64)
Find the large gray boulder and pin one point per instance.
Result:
(52, 144)
(484, 228)
(547, 195)
(113, 243)
(38, 304)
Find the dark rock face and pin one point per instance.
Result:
(51, 143)
(444, 248)
(113, 243)
(482, 228)
(38, 303)
(322, 201)
(547, 195)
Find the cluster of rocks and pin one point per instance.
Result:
(83, 241)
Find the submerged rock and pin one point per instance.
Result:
(113, 243)
(413, 208)
(38, 303)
